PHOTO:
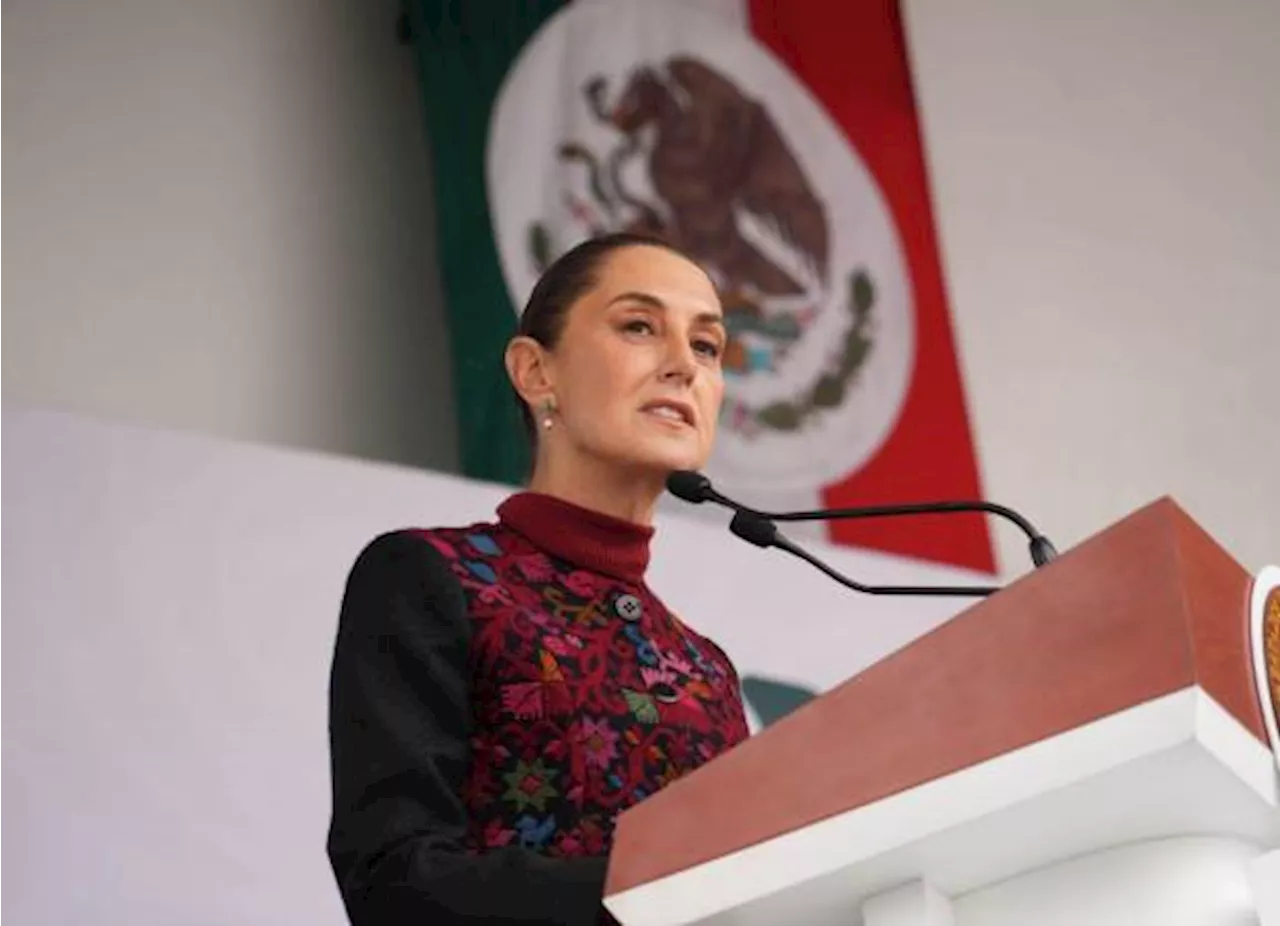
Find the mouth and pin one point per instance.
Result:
(677, 413)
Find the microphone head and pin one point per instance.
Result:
(1042, 551)
(690, 486)
(754, 529)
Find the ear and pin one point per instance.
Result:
(529, 369)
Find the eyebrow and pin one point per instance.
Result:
(654, 302)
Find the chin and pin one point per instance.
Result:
(664, 458)
(668, 460)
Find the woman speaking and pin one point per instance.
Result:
(501, 692)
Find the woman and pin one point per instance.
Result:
(500, 692)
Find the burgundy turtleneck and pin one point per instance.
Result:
(578, 535)
(500, 693)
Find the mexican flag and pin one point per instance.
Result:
(778, 144)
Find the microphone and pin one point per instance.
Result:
(694, 487)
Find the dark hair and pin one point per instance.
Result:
(562, 284)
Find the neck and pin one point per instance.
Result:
(630, 494)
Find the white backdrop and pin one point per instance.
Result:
(169, 611)
(223, 222)
(1105, 183)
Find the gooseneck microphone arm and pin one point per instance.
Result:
(758, 527)
(764, 533)
(696, 488)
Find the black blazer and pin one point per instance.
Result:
(399, 728)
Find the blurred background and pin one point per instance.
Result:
(231, 356)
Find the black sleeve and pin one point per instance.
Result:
(399, 729)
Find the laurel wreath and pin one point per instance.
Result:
(539, 247)
(1271, 645)
(829, 388)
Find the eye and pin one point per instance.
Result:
(709, 349)
(638, 326)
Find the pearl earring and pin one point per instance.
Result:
(548, 409)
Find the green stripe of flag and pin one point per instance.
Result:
(463, 51)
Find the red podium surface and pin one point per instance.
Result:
(1105, 699)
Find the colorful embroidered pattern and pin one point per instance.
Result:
(589, 695)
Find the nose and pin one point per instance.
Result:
(680, 365)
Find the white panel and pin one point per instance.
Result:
(1105, 182)
(220, 220)
(169, 610)
(1184, 881)
(1264, 879)
(916, 904)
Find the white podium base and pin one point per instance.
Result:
(1184, 881)
(1171, 796)
(1188, 881)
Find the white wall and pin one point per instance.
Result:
(219, 220)
(169, 607)
(1107, 177)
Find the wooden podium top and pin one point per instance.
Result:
(1148, 607)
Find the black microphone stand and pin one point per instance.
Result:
(694, 487)
(758, 527)
(764, 533)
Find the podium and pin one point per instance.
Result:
(1087, 745)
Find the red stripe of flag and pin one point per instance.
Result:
(852, 55)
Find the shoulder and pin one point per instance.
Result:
(430, 555)
(404, 585)
(413, 562)
(433, 546)
(707, 645)
(480, 540)
(399, 550)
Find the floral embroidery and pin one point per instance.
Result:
(582, 584)
(563, 644)
(534, 832)
(483, 544)
(494, 594)
(523, 700)
(550, 668)
(534, 567)
(529, 785)
(644, 648)
(483, 571)
(642, 706)
(669, 774)
(583, 614)
(444, 549)
(675, 662)
(581, 707)
(654, 678)
(495, 834)
(599, 741)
